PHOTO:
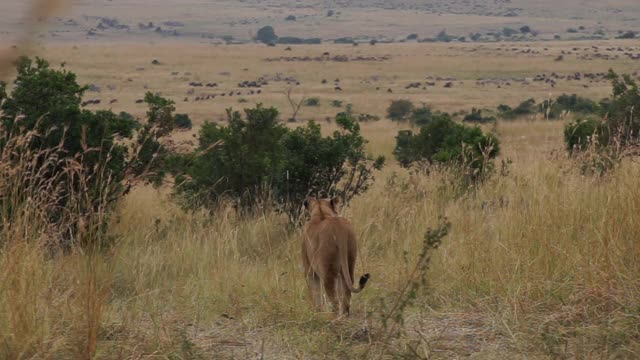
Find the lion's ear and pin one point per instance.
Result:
(335, 204)
(307, 202)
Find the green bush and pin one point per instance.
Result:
(509, 32)
(267, 35)
(312, 102)
(476, 117)
(527, 107)
(444, 37)
(611, 137)
(336, 103)
(183, 121)
(447, 143)
(292, 40)
(81, 155)
(568, 103)
(421, 116)
(400, 110)
(344, 40)
(257, 160)
(580, 134)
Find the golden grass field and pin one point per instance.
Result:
(541, 261)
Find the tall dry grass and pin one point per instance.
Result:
(539, 263)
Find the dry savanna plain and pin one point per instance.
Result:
(541, 261)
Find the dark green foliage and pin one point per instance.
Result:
(255, 159)
(627, 35)
(367, 117)
(476, 117)
(412, 37)
(504, 108)
(421, 116)
(292, 40)
(622, 113)
(336, 103)
(613, 137)
(183, 121)
(527, 107)
(445, 142)
(580, 134)
(267, 35)
(400, 110)
(525, 29)
(424, 115)
(444, 37)
(572, 30)
(344, 40)
(568, 103)
(290, 18)
(509, 32)
(47, 101)
(160, 113)
(312, 102)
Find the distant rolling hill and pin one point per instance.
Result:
(215, 20)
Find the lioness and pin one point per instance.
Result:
(329, 253)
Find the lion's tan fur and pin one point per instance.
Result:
(329, 252)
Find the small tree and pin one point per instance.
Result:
(81, 155)
(525, 29)
(614, 136)
(400, 110)
(450, 144)
(476, 117)
(256, 160)
(509, 32)
(183, 121)
(267, 35)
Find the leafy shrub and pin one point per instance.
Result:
(447, 143)
(613, 137)
(509, 32)
(256, 160)
(291, 40)
(628, 35)
(572, 30)
(412, 37)
(290, 18)
(444, 37)
(344, 40)
(312, 102)
(476, 117)
(525, 29)
(367, 117)
(568, 103)
(80, 155)
(526, 107)
(183, 121)
(336, 103)
(580, 134)
(400, 110)
(267, 35)
(421, 116)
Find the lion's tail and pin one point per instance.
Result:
(347, 279)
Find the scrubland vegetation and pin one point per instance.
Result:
(516, 240)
